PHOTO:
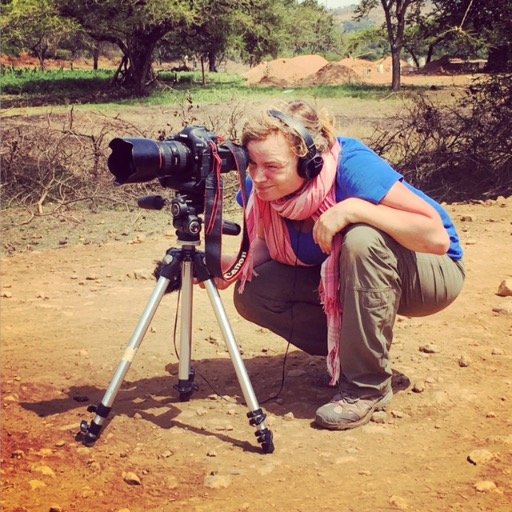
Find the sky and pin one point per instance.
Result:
(333, 4)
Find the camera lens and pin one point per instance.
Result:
(139, 160)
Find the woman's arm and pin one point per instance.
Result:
(410, 220)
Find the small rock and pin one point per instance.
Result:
(485, 486)
(379, 417)
(55, 508)
(429, 348)
(480, 456)
(497, 351)
(17, 454)
(503, 309)
(418, 387)
(143, 275)
(211, 453)
(167, 454)
(464, 361)
(6, 295)
(467, 218)
(132, 478)
(505, 288)
(289, 416)
(398, 502)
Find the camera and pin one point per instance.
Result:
(181, 162)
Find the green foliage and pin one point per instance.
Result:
(35, 25)
(53, 87)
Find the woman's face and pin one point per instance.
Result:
(273, 167)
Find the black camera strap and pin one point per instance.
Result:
(214, 201)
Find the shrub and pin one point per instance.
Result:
(457, 152)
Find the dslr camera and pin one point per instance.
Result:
(181, 162)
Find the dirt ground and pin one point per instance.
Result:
(73, 289)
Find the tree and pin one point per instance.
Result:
(398, 14)
(135, 26)
(317, 32)
(488, 22)
(34, 25)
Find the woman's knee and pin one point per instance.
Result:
(362, 241)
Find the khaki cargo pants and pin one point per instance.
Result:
(379, 278)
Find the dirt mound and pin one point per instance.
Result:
(331, 74)
(285, 71)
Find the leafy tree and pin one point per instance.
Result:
(488, 23)
(135, 26)
(398, 14)
(34, 25)
(317, 34)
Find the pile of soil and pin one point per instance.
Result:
(310, 70)
(285, 71)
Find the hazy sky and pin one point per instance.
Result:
(333, 4)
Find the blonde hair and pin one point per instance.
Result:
(319, 124)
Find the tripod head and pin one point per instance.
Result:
(185, 211)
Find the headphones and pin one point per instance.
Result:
(311, 164)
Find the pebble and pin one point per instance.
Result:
(132, 478)
(167, 454)
(505, 288)
(289, 416)
(17, 454)
(398, 502)
(464, 361)
(503, 309)
(429, 348)
(480, 456)
(485, 486)
(418, 387)
(55, 508)
(379, 417)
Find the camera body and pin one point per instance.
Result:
(181, 162)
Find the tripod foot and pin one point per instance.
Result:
(266, 439)
(90, 432)
(186, 387)
(264, 435)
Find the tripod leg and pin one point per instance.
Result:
(255, 414)
(186, 384)
(91, 431)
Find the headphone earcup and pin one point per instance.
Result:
(309, 168)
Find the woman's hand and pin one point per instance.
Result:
(221, 284)
(331, 222)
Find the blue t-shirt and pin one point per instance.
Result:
(364, 174)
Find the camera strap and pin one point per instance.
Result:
(214, 201)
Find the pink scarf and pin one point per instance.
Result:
(318, 195)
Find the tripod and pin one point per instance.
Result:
(177, 270)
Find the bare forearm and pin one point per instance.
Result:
(415, 231)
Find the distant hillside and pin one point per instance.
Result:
(344, 16)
